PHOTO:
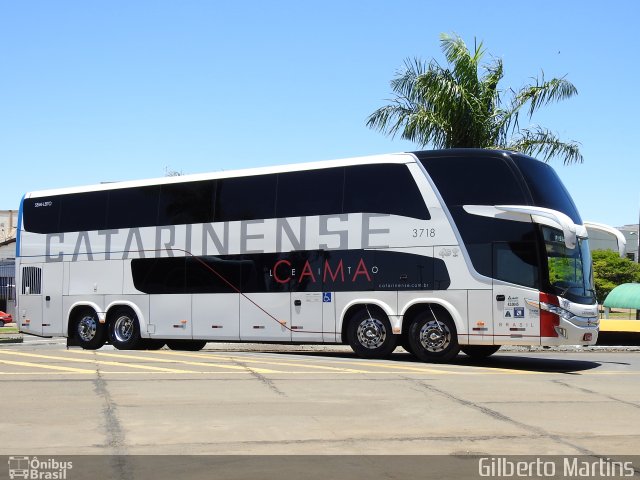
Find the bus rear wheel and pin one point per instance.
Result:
(124, 330)
(433, 337)
(186, 345)
(88, 331)
(369, 334)
(479, 351)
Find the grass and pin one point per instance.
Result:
(8, 330)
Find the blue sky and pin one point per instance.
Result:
(95, 91)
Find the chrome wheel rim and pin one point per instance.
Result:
(371, 333)
(435, 336)
(123, 329)
(87, 328)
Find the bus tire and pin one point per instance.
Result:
(369, 334)
(479, 351)
(186, 345)
(433, 336)
(124, 330)
(88, 331)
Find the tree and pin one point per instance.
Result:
(462, 106)
(609, 271)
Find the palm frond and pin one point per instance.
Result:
(461, 105)
(540, 142)
(542, 92)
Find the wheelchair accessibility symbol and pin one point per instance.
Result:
(326, 297)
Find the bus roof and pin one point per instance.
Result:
(400, 157)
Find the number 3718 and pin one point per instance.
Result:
(423, 232)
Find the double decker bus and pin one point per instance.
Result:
(434, 251)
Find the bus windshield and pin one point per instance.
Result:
(570, 273)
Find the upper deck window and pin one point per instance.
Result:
(546, 187)
(468, 180)
(386, 188)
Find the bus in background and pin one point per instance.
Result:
(434, 251)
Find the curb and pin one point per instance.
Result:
(11, 340)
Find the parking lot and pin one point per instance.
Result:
(238, 399)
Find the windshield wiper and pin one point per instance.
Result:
(564, 291)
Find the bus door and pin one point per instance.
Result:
(306, 316)
(30, 299)
(514, 320)
(312, 301)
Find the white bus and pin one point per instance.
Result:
(436, 251)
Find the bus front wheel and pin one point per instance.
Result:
(433, 337)
(124, 330)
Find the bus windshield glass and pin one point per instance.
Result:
(570, 273)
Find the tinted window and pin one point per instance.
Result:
(475, 181)
(246, 198)
(546, 187)
(516, 262)
(213, 274)
(267, 272)
(41, 215)
(83, 211)
(159, 275)
(133, 207)
(383, 189)
(480, 233)
(312, 192)
(183, 203)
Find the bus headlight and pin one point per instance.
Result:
(555, 309)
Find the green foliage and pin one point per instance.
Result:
(462, 106)
(561, 269)
(609, 271)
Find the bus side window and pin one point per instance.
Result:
(383, 188)
(133, 207)
(83, 212)
(310, 192)
(246, 198)
(186, 203)
(41, 215)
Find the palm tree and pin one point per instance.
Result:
(456, 107)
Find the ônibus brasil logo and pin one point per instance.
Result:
(36, 469)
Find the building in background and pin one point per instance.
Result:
(8, 224)
(630, 232)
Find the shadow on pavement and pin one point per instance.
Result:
(499, 361)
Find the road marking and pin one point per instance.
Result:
(231, 358)
(164, 360)
(50, 367)
(95, 360)
(425, 369)
(399, 368)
